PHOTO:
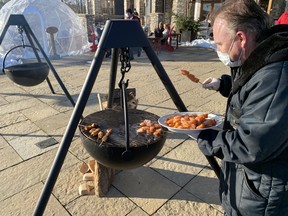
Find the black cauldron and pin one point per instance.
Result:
(142, 148)
(27, 74)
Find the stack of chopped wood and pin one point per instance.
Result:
(97, 177)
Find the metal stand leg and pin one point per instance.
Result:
(69, 133)
(113, 72)
(50, 86)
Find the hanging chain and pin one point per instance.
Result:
(20, 31)
(125, 67)
(125, 60)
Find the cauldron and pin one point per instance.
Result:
(142, 148)
(27, 74)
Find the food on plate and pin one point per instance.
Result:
(190, 76)
(190, 121)
(149, 127)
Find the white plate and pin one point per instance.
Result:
(190, 132)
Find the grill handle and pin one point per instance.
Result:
(127, 154)
(19, 46)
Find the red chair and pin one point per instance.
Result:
(168, 44)
(93, 47)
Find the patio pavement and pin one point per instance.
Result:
(178, 181)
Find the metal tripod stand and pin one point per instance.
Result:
(19, 20)
(116, 35)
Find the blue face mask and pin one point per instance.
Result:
(225, 57)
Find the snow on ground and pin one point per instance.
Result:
(205, 43)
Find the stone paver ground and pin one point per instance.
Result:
(178, 181)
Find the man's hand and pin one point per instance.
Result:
(211, 83)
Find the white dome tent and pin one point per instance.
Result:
(71, 38)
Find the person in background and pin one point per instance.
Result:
(158, 32)
(98, 33)
(165, 34)
(253, 144)
(131, 16)
(136, 13)
(283, 19)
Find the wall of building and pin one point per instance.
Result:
(119, 7)
(164, 10)
(151, 12)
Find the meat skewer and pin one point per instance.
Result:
(190, 76)
(105, 137)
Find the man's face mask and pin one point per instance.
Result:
(225, 57)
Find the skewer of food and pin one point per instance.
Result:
(106, 136)
(190, 76)
(95, 131)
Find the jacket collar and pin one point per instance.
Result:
(273, 47)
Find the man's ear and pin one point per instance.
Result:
(243, 38)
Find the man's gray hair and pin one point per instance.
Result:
(243, 15)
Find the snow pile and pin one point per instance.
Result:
(205, 43)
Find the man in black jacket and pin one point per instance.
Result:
(253, 145)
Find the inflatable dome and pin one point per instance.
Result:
(70, 39)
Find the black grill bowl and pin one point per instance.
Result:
(28, 74)
(110, 154)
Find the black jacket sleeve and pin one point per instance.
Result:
(225, 85)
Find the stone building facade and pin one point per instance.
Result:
(151, 12)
